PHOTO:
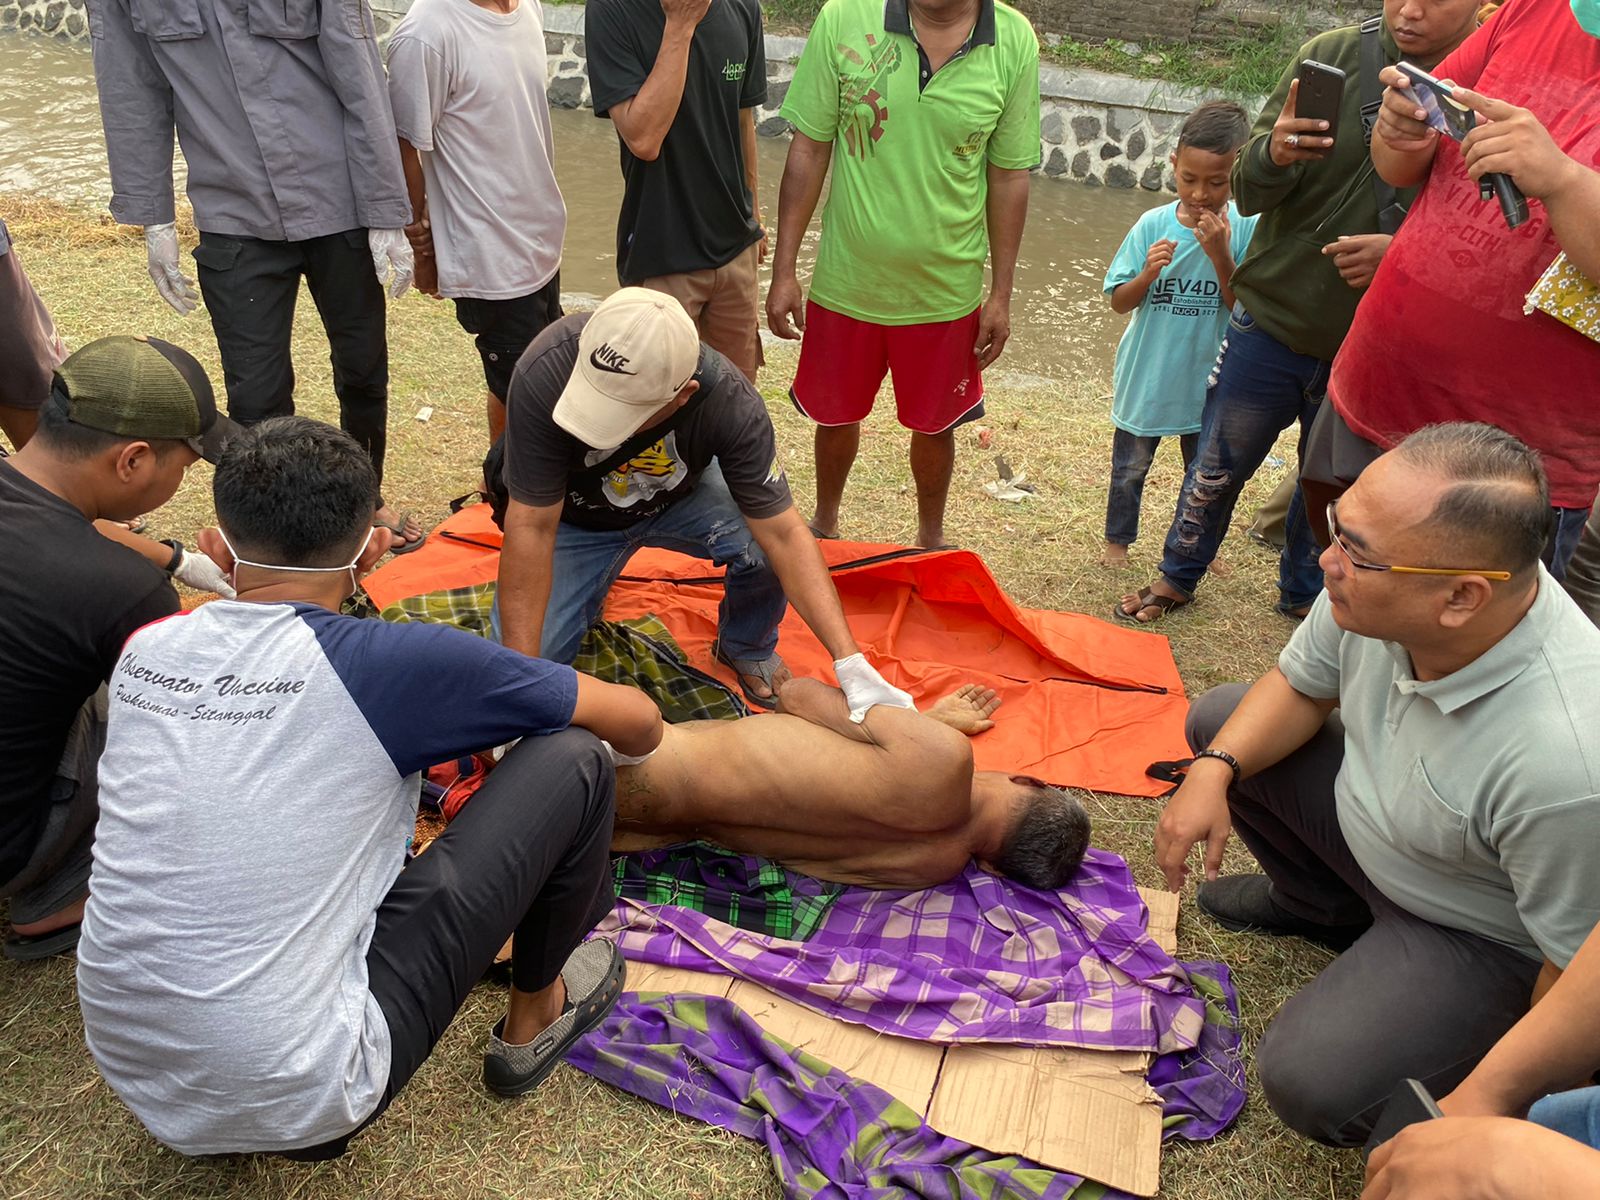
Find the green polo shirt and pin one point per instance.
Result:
(1472, 801)
(903, 235)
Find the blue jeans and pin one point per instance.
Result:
(1131, 456)
(705, 524)
(1258, 388)
(1575, 1113)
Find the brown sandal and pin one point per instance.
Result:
(1149, 599)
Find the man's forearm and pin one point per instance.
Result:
(792, 551)
(646, 119)
(1401, 168)
(1006, 212)
(801, 187)
(523, 591)
(1271, 722)
(747, 143)
(416, 181)
(1572, 212)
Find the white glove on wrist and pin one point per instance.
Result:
(161, 252)
(864, 687)
(196, 570)
(619, 759)
(392, 259)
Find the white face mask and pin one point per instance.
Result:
(233, 572)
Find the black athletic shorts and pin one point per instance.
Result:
(502, 329)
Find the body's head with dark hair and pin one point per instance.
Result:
(1496, 504)
(1046, 845)
(295, 492)
(1202, 164)
(1217, 127)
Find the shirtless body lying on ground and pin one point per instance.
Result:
(892, 802)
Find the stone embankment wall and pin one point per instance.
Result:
(1098, 129)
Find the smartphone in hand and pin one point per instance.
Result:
(1436, 99)
(1408, 1104)
(1321, 95)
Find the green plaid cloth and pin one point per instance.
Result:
(750, 893)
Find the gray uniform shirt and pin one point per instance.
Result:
(280, 105)
(1472, 801)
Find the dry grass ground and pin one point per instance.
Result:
(63, 1134)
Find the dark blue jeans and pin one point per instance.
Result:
(1258, 388)
(1131, 456)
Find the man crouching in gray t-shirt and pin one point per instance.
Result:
(260, 969)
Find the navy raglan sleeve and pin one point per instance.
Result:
(617, 69)
(433, 692)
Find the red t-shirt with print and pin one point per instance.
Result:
(1441, 334)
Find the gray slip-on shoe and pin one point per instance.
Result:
(594, 974)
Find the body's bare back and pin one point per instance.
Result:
(888, 805)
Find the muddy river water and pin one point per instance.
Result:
(1062, 327)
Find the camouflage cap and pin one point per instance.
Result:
(141, 387)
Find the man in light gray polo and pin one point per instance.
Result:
(1444, 825)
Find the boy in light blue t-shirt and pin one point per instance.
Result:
(1173, 272)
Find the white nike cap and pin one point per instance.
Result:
(636, 353)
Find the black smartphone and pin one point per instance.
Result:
(1408, 1104)
(1321, 95)
(1435, 98)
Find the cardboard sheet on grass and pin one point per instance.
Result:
(1089, 1112)
(1086, 703)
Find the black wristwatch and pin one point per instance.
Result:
(177, 553)
(1233, 762)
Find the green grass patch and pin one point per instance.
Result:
(1248, 64)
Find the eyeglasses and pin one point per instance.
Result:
(1337, 536)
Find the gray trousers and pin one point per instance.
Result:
(1410, 999)
(57, 872)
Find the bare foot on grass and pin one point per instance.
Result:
(1114, 555)
(1220, 569)
(967, 709)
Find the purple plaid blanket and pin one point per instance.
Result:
(978, 959)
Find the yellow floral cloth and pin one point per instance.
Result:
(1569, 296)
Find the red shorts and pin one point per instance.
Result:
(843, 362)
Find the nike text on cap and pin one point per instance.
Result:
(636, 353)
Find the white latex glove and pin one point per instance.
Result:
(864, 687)
(619, 759)
(196, 570)
(392, 259)
(161, 251)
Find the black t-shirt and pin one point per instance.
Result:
(69, 598)
(689, 210)
(725, 419)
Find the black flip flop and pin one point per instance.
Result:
(759, 668)
(400, 545)
(1149, 599)
(20, 948)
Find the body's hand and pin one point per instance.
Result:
(161, 254)
(1357, 256)
(1512, 141)
(1197, 812)
(786, 306)
(687, 12)
(1297, 139)
(196, 570)
(392, 259)
(864, 687)
(1402, 122)
(762, 247)
(994, 329)
(426, 277)
(1213, 233)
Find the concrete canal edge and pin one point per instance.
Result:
(1098, 129)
